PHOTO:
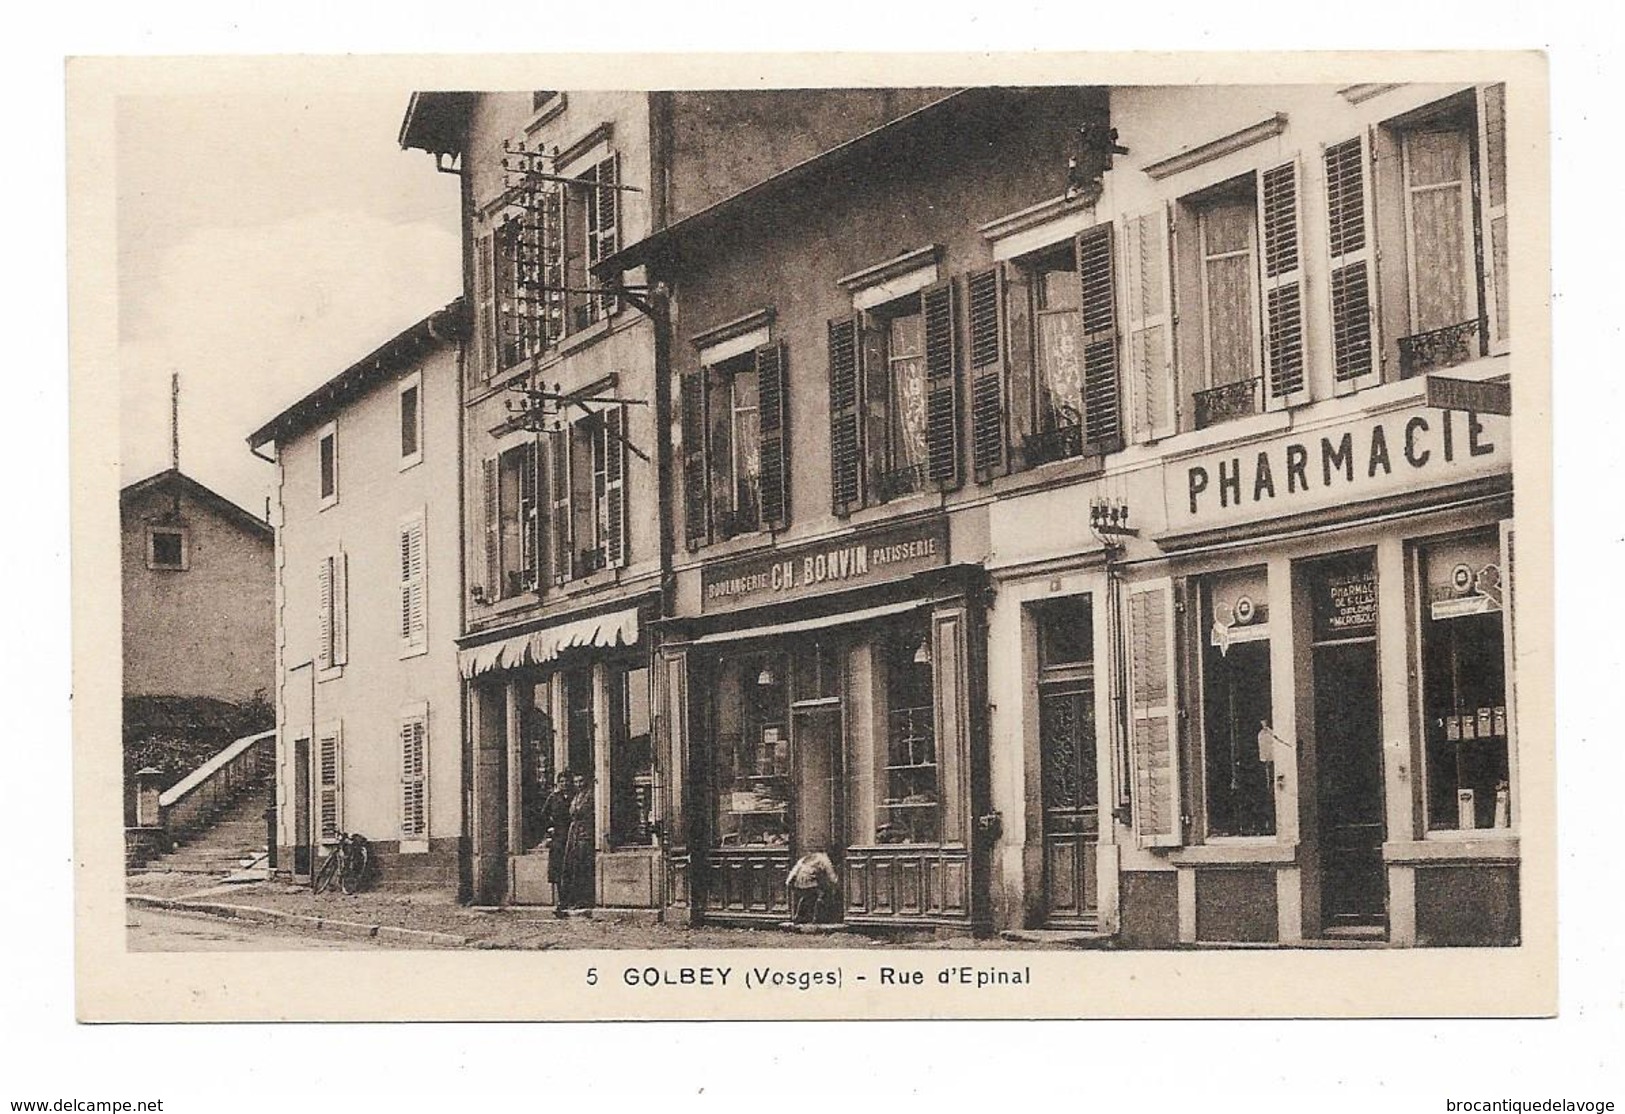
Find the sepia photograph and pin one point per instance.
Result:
(962, 535)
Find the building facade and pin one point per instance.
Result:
(1066, 535)
(368, 589)
(198, 586)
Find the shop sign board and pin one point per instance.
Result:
(873, 556)
(1346, 604)
(1446, 393)
(1352, 461)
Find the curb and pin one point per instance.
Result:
(258, 915)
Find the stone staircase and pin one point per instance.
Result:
(234, 841)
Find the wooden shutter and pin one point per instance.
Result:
(773, 401)
(1492, 210)
(330, 782)
(1153, 715)
(552, 249)
(559, 508)
(493, 529)
(696, 477)
(415, 773)
(488, 337)
(984, 298)
(941, 327)
(1352, 285)
(341, 608)
(324, 613)
(414, 616)
(1150, 323)
(1102, 423)
(615, 486)
(1019, 339)
(606, 238)
(1282, 283)
(845, 417)
(536, 526)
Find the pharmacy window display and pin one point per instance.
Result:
(1464, 689)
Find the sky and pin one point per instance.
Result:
(265, 243)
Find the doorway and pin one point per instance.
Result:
(1348, 779)
(301, 808)
(1070, 782)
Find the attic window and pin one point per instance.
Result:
(166, 548)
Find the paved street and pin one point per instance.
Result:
(153, 930)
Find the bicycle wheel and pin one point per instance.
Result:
(329, 870)
(355, 869)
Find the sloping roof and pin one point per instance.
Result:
(173, 478)
(435, 122)
(443, 326)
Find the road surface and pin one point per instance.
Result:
(156, 930)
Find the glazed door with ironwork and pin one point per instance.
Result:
(1066, 729)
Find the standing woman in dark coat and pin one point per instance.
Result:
(579, 849)
(555, 825)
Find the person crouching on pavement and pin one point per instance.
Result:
(813, 888)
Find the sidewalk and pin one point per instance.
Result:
(430, 919)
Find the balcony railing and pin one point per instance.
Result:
(1226, 402)
(1446, 347)
(1061, 443)
(900, 481)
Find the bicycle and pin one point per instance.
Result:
(349, 864)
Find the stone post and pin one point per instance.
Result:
(147, 812)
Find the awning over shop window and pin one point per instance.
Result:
(840, 619)
(619, 628)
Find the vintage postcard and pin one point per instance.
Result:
(812, 537)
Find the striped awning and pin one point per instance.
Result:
(618, 628)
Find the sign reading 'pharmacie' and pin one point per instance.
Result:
(1349, 462)
(870, 557)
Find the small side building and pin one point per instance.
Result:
(368, 700)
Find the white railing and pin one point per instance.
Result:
(199, 796)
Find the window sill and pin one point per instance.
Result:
(1236, 851)
(414, 651)
(327, 504)
(330, 674)
(409, 462)
(414, 847)
(1480, 845)
(736, 545)
(582, 584)
(1054, 473)
(920, 502)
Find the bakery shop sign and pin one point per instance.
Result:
(887, 553)
(1348, 462)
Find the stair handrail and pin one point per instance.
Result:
(186, 785)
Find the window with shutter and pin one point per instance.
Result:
(1219, 267)
(1282, 281)
(1153, 722)
(984, 297)
(493, 529)
(517, 512)
(324, 613)
(696, 489)
(1492, 160)
(1102, 424)
(487, 329)
(1150, 323)
(941, 348)
(588, 472)
(845, 434)
(330, 782)
(1349, 241)
(604, 224)
(341, 608)
(773, 405)
(413, 585)
(560, 509)
(614, 510)
(414, 726)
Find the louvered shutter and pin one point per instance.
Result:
(324, 613)
(329, 782)
(615, 486)
(1348, 226)
(1282, 282)
(1492, 209)
(487, 329)
(606, 238)
(941, 326)
(1102, 422)
(1153, 716)
(537, 525)
(341, 608)
(414, 615)
(984, 298)
(415, 774)
(773, 401)
(559, 509)
(1150, 323)
(696, 478)
(1019, 337)
(552, 248)
(845, 416)
(493, 529)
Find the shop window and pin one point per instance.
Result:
(1464, 691)
(167, 548)
(1446, 288)
(411, 415)
(537, 777)
(736, 465)
(327, 452)
(750, 713)
(1237, 738)
(631, 760)
(910, 808)
(1241, 347)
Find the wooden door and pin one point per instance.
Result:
(301, 808)
(1066, 730)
